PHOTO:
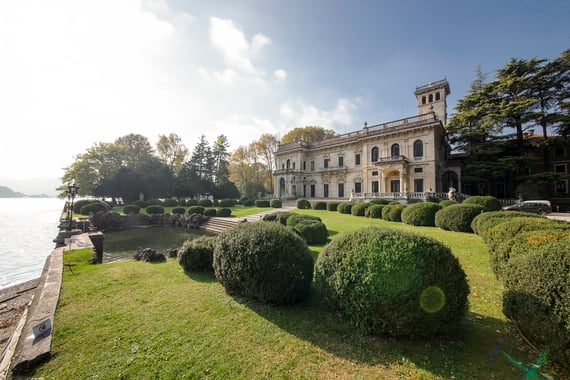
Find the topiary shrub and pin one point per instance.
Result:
(393, 282)
(344, 208)
(154, 202)
(171, 202)
(197, 254)
(303, 204)
(313, 231)
(275, 203)
(379, 201)
(392, 212)
(294, 219)
(537, 297)
(420, 214)
(227, 203)
(179, 210)
(319, 205)
(457, 217)
(131, 209)
(374, 211)
(501, 238)
(359, 209)
(104, 220)
(261, 203)
(155, 209)
(210, 211)
(487, 220)
(246, 202)
(80, 203)
(332, 206)
(205, 203)
(246, 258)
(488, 202)
(191, 202)
(280, 217)
(447, 202)
(224, 212)
(141, 203)
(93, 207)
(196, 210)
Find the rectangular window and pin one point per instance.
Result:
(395, 186)
(357, 159)
(326, 163)
(560, 168)
(358, 187)
(341, 190)
(418, 170)
(341, 161)
(326, 190)
(562, 187)
(375, 186)
(419, 185)
(304, 165)
(374, 174)
(312, 191)
(312, 165)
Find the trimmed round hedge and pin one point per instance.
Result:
(303, 204)
(261, 203)
(359, 209)
(227, 203)
(141, 203)
(155, 209)
(313, 231)
(196, 210)
(197, 254)
(502, 237)
(392, 212)
(265, 262)
(94, 206)
(488, 202)
(178, 210)
(171, 202)
(131, 209)
(80, 203)
(224, 212)
(537, 297)
(210, 211)
(294, 219)
(457, 217)
(205, 203)
(420, 214)
(447, 202)
(393, 282)
(374, 211)
(320, 206)
(332, 206)
(487, 220)
(275, 203)
(379, 201)
(344, 208)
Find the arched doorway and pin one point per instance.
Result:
(449, 179)
(392, 183)
(281, 187)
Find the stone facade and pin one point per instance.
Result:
(400, 159)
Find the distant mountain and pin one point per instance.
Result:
(6, 192)
(33, 187)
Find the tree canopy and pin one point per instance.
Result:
(307, 134)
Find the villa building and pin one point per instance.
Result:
(404, 159)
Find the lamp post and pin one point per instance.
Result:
(72, 191)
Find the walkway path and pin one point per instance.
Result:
(218, 225)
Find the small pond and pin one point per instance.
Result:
(122, 245)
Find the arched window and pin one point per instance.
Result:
(395, 150)
(423, 99)
(430, 98)
(437, 96)
(288, 164)
(374, 154)
(418, 148)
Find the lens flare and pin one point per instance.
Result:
(432, 299)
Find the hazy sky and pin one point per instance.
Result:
(76, 72)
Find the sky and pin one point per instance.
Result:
(75, 72)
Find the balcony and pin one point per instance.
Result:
(392, 159)
(288, 172)
(332, 169)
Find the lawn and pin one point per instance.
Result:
(141, 320)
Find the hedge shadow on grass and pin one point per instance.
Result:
(203, 277)
(445, 356)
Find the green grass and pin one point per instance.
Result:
(141, 320)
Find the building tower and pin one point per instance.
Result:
(432, 97)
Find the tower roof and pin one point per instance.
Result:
(432, 86)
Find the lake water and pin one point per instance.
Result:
(27, 229)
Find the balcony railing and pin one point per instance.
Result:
(332, 169)
(287, 172)
(399, 158)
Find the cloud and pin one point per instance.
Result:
(280, 75)
(303, 114)
(235, 48)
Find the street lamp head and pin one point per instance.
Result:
(73, 189)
